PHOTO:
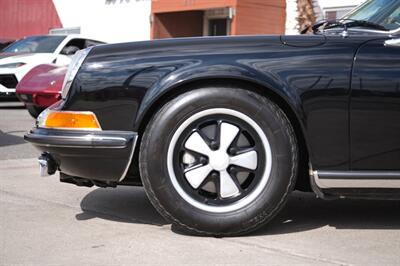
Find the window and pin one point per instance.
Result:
(383, 12)
(73, 46)
(35, 44)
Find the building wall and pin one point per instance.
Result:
(250, 16)
(20, 18)
(160, 6)
(175, 6)
(260, 17)
(178, 24)
(107, 20)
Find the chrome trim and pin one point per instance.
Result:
(345, 33)
(123, 176)
(88, 141)
(392, 181)
(73, 70)
(387, 32)
(383, 32)
(392, 43)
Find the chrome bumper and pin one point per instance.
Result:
(95, 155)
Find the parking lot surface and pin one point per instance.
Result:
(43, 222)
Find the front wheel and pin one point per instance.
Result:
(218, 161)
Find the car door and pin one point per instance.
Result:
(375, 106)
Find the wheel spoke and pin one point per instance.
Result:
(196, 176)
(228, 133)
(228, 188)
(246, 160)
(197, 144)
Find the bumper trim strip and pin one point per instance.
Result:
(83, 140)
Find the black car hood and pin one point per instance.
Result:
(182, 46)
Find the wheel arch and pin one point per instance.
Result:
(303, 182)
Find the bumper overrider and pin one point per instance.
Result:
(83, 154)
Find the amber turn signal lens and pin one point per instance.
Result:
(72, 120)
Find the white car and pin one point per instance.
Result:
(20, 57)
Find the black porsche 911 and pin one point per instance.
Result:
(220, 130)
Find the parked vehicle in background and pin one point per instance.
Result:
(4, 43)
(221, 130)
(20, 57)
(41, 87)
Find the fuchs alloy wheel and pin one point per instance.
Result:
(218, 161)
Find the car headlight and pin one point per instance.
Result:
(73, 68)
(13, 65)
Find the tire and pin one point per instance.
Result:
(34, 111)
(240, 193)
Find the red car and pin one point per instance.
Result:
(41, 87)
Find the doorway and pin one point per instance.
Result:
(218, 27)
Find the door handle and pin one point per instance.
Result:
(392, 43)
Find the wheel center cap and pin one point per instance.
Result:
(219, 160)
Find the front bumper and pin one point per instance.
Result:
(93, 155)
(6, 92)
(8, 83)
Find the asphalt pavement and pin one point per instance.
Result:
(45, 222)
(14, 123)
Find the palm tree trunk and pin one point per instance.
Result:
(306, 15)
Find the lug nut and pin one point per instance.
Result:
(214, 145)
(214, 175)
(203, 160)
